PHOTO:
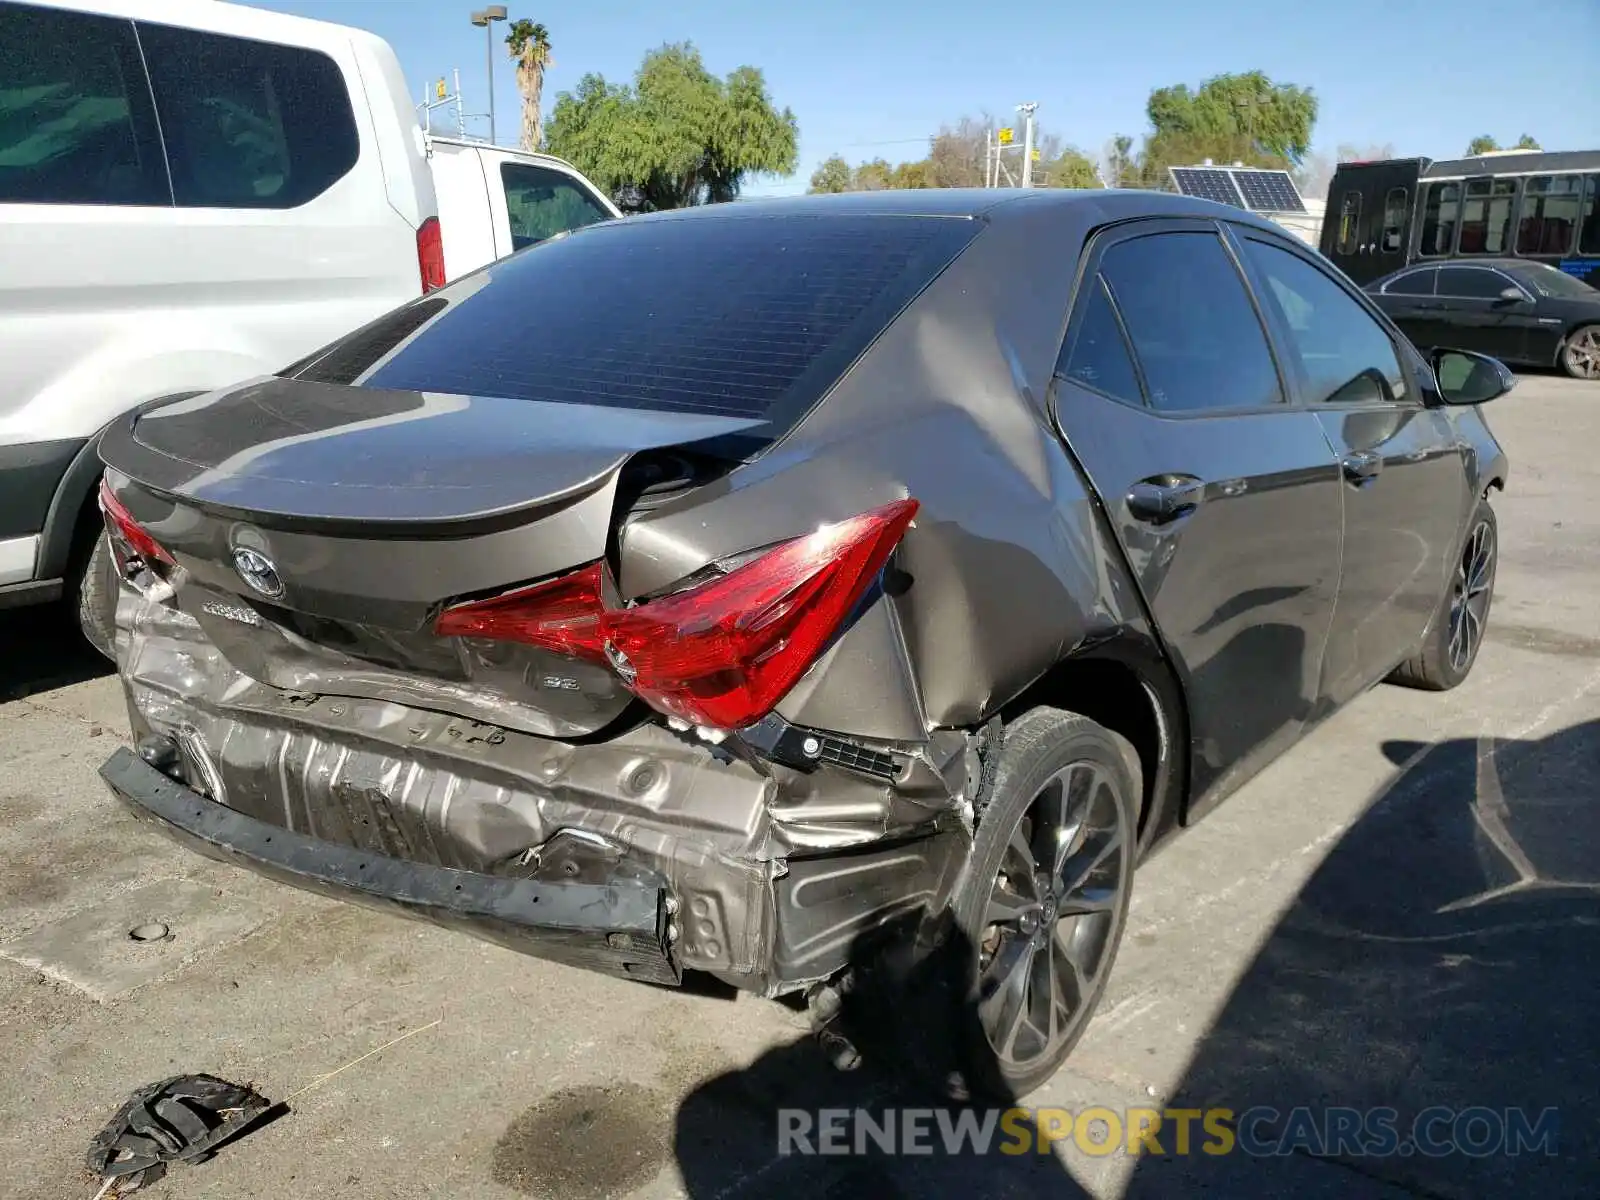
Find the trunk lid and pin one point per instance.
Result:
(322, 528)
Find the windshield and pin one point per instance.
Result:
(1550, 281)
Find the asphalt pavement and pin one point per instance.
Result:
(1402, 913)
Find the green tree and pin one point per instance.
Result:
(1482, 144)
(832, 176)
(677, 135)
(1526, 142)
(529, 43)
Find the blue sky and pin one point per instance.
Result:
(876, 77)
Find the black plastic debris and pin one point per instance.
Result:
(182, 1119)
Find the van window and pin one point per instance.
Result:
(1486, 216)
(1549, 214)
(1589, 222)
(542, 203)
(76, 124)
(1441, 210)
(1349, 222)
(1394, 220)
(248, 124)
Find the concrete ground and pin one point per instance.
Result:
(1404, 911)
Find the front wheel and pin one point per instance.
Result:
(1455, 635)
(1580, 355)
(1045, 899)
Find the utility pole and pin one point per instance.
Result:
(487, 17)
(1027, 141)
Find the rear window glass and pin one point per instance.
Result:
(734, 315)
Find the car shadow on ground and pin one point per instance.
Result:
(1445, 957)
(42, 648)
(909, 1027)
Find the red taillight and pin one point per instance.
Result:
(135, 537)
(720, 654)
(430, 254)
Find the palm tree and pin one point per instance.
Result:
(530, 49)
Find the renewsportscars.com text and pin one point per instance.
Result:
(1477, 1132)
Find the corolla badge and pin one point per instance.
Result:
(257, 570)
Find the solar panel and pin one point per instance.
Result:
(1268, 191)
(1208, 183)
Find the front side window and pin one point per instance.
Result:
(1100, 358)
(248, 124)
(1441, 210)
(1394, 220)
(1486, 216)
(1349, 222)
(1471, 283)
(76, 125)
(1194, 330)
(1344, 355)
(542, 203)
(1549, 214)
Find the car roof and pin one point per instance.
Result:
(994, 204)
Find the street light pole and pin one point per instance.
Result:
(486, 17)
(1027, 141)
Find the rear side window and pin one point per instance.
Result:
(1412, 283)
(745, 316)
(76, 123)
(1194, 330)
(248, 124)
(542, 203)
(1344, 355)
(1100, 358)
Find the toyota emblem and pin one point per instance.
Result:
(256, 569)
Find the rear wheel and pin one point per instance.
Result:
(1580, 355)
(1045, 900)
(1451, 645)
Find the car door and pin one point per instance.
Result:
(1404, 479)
(1409, 301)
(1473, 316)
(1225, 498)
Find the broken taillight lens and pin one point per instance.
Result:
(131, 543)
(722, 653)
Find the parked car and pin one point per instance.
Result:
(714, 590)
(191, 194)
(493, 201)
(1515, 310)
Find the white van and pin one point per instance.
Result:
(191, 193)
(493, 200)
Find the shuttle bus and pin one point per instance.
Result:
(1382, 216)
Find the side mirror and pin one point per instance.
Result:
(1512, 294)
(1468, 378)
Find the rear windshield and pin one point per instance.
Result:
(738, 315)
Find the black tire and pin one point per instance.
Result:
(1580, 353)
(1455, 635)
(1053, 768)
(94, 596)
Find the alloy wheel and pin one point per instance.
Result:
(1469, 596)
(1583, 353)
(1050, 924)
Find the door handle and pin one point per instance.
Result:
(1361, 465)
(1162, 499)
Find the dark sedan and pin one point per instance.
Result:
(1518, 311)
(731, 590)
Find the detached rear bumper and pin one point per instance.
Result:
(618, 926)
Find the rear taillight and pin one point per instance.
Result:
(430, 254)
(131, 543)
(721, 654)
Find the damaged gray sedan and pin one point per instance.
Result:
(714, 590)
